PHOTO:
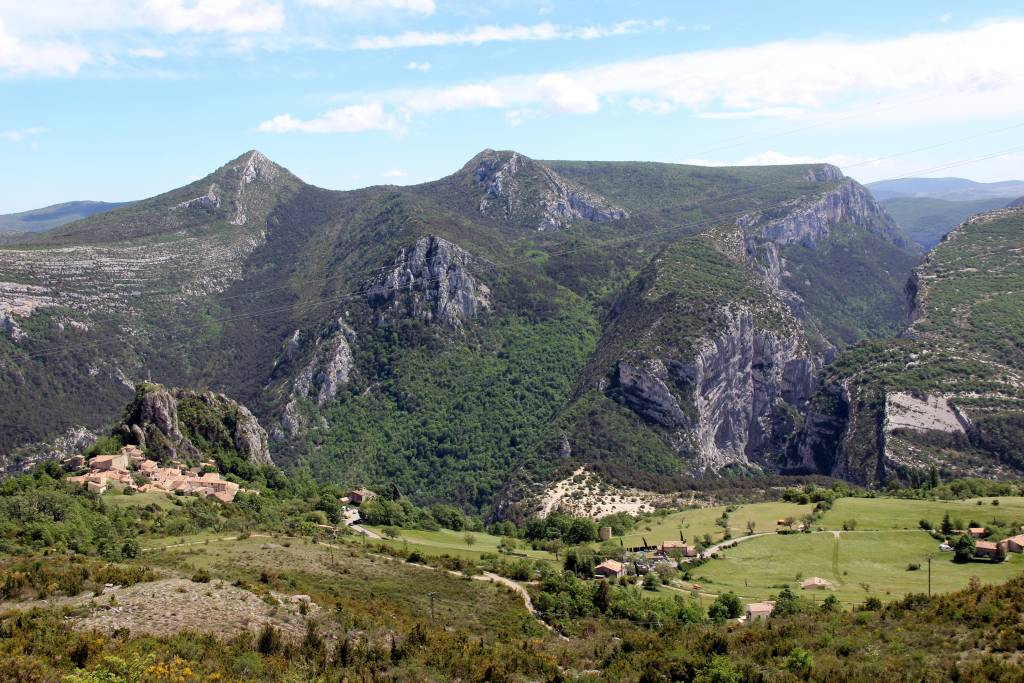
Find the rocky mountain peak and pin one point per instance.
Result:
(519, 189)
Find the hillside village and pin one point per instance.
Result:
(134, 473)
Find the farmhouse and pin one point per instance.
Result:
(679, 547)
(986, 549)
(976, 532)
(610, 568)
(1015, 544)
(759, 611)
(815, 583)
(358, 496)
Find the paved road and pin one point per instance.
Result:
(351, 517)
(718, 546)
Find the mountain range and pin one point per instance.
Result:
(48, 217)
(471, 338)
(950, 189)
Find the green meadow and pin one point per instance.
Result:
(859, 564)
(898, 513)
(700, 521)
(454, 543)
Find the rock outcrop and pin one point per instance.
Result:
(807, 221)
(518, 188)
(330, 367)
(177, 423)
(73, 441)
(433, 280)
(727, 397)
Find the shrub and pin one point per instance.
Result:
(850, 525)
(201, 576)
(913, 567)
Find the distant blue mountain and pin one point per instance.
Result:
(39, 220)
(952, 189)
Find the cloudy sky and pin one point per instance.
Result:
(121, 99)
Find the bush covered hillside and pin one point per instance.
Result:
(464, 338)
(948, 394)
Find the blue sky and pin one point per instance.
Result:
(122, 99)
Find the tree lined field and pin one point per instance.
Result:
(899, 513)
(860, 564)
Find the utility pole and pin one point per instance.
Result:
(929, 575)
(433, 596)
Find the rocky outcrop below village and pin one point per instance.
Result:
(516, 187)
(431, 280)
(168, 423)
(730, 398)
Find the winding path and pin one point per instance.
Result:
(708, 552)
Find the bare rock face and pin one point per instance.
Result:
(210, 200)
(647, 395)
(250, 438)
(808, 221)
(432, 281)
(519, 188)
(331, 365)
(728, 397)
(155, 422)
(71, 442)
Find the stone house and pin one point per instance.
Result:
(759, 611)
(358, 496)
(610, 568)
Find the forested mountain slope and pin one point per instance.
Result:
(948, 395)
(456, 335)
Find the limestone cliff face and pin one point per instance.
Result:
(727, 398)
(432, 280)
(330, 365)
(168, 423)
(809, 220)
(520, 189)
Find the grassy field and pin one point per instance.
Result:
(351, 576)
(859, 564)
(895, 513)
(701, 521)
(454, 543)
(115, 498)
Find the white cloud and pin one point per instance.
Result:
(452, 99)
(367, 6)
(207, 16)
(44, 58)
(418, 66)
(354, 118)
(563, 94)
(147, 53)
(489, 34)
(19, 134)
(59, 17)
(946, 17)
(974, 74)
(396, 173)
